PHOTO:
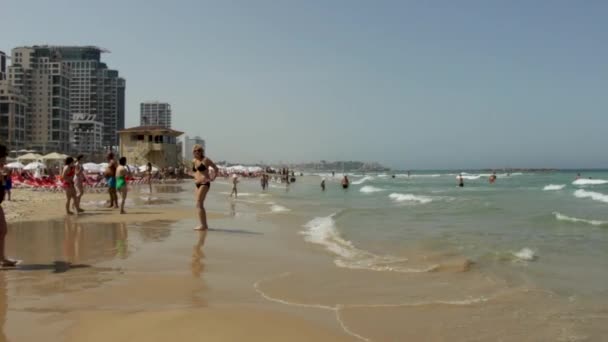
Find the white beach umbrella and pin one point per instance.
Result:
(92, 167)
(14, 165)
(143, 168)
(54, 156)
(29, 156)
(34, 166)
(103, 165)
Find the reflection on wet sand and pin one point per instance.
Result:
(67, 240)
(198, 255)
(3, 306)
(168, 189)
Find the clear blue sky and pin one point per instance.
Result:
(412, 84)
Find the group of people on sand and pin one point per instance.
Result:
(116, 173)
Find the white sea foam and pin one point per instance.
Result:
(596, 196)
(409, 198)
(563, 217)
(589, 182)
(368, 189)
(526, 254)
(275, 208)
(323, 231)
(469, 177)
(239, 194)
(363, 180)
(552, 187)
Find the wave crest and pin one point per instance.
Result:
(368, 189)
(553, 187)
(590, 182)
(562, 217)
(596, 196)
(409, 197)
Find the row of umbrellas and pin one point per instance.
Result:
(36, 156)
(88, 167)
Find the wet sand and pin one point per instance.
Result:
(147, 276)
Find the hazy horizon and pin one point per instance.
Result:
(416, 85)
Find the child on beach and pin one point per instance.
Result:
(4, 262)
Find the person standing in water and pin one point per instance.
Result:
(78, 183)
(493, 178)
(235, 180)
(67, 175)
(323, 184)
(4, 262)
(202, 180)
(345, 182)
(460, 181)
(121, 182)
(110, 174)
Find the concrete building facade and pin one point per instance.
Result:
(154, 144)
(154, 113)
(86, 134)
(12, 116)
(44, 79)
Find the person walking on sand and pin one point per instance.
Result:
(202, 180)
(110, 174)
(235, 180)
(78, 183)
(4, 262)
(121, 182)
(149, 175)
(67, 176)
(8, 183)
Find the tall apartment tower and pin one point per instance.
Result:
(95, 89)
(43, 79)
(3, 65)
(12, 116)
(155, 114)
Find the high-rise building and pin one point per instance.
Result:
(86, 134)
(2, 65)
(12, 116)
(44, 79)
(155, 114)
(95, 89)
(188, 144)
(92, 89)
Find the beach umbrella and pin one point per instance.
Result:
(103, 165)
(91, 167)
(29, 156)
(54, 156)
(132, 168)
(34, 166)
(14, 165)
(143, 168)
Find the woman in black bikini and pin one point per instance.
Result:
(202, 179)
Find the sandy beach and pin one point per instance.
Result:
(147, 276)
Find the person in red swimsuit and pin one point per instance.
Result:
(68, 183)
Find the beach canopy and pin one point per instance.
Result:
(143, 168)
(54, 156)
(29, 156)
(14, 165)
(92, 168)
(34, 166)
(103, 165)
